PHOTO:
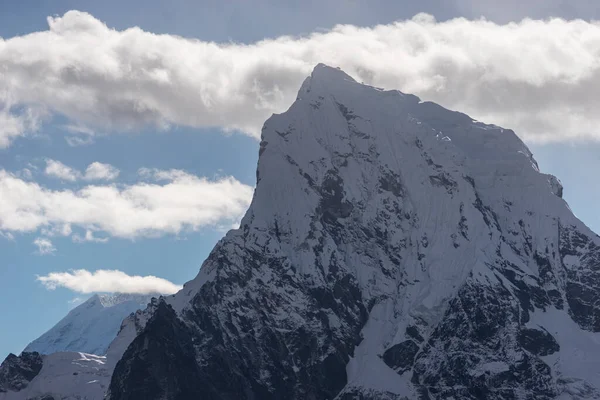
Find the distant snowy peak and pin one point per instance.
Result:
(72, 374)
(91, 326)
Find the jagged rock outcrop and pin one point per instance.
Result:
(17, 371)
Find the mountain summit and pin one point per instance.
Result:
(393, 250)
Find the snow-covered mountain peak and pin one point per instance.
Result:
(91, 326)
(415, 230)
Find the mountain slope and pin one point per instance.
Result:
(393, 249)
(91, 326)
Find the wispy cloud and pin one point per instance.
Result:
(537, 77)
(16, 123)
(44, 246)
(79, 135)
(113, 281)
(75, 141)
(7, 235)
(25, 173)
(179, 203)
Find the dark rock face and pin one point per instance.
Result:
(401, 356)
(471, 355)
(583, 281)
(247, 354)
(538, 342)
(160, 362)
(413, 332)
(17, 372)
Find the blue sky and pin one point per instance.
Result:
(214, 136)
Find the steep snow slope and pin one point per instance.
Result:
(393, 249)
(91, 326)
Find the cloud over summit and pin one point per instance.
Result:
(537, 77)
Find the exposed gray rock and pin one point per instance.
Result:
(17, 371)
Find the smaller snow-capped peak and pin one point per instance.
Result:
(76, 374)
(91, 326)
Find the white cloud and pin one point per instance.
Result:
(44, 246)
(537, 77)
(99, 171)
(95, 171)
(183, 203)
(114, 281)
(56, 169)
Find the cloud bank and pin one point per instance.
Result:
(537, 77)
(114, 281)
(180, 202)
